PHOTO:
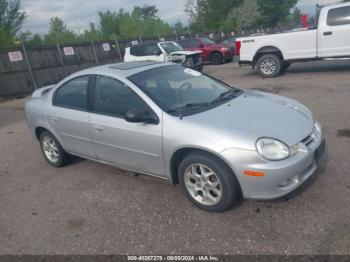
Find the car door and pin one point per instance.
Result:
(334, 35)
(68, 116)
(131, 146)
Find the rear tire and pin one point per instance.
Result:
(208, 182)
(52, 150)
(269, 66)
(216, 58)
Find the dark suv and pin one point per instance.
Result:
(215, 53)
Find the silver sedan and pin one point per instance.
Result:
(218, 142)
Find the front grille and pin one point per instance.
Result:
(308, 140)
(195, 59)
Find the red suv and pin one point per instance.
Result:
(216, 53)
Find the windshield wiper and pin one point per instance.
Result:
(189, 106)
(226, 96)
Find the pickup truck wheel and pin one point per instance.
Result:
(269, 66)
(216, 58)
(208, 183)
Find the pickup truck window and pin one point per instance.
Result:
(339, 16)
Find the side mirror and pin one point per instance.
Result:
(135, 115)
(201, 46)
(159, 52)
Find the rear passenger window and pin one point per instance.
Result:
(151, 50)
(114, 98)
(73, 94)
(134, 50)
(339, 16)
(145, 50)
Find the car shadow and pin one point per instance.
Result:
(319, 67)
(74, 160)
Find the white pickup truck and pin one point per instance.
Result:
(272, 54)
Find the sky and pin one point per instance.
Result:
(77, 14)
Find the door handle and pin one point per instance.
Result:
(98, 128)
(328, 33)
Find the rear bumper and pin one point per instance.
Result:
(281, 177)
(228, 55)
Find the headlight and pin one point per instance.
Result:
(317, 130)
(225, 49)
(272, 149)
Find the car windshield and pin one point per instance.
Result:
(207, 41)
(183, 91)
(170, 47)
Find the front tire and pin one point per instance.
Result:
(216, 58)
(208, 183)
(52, 150)
(269, 66)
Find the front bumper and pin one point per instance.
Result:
(281, 177)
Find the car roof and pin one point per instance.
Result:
(123, 69)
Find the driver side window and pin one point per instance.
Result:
(114, 98)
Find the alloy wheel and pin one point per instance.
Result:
(268, 66)
(50, 149)
(203, 184)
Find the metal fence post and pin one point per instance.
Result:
(29, 67)
(118, 47)
(61, 58)
(93, 49)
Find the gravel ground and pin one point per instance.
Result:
(90, 208)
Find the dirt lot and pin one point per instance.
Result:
(89, 208)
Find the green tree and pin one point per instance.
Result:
(59, 33)
(245, 16)
(5, 39)
(212, 14)
(296, 16)
(29, 39)
(91, 34)
(11, 19)
(141, 22)
(179, 27)
(146, 12)
(275, 12)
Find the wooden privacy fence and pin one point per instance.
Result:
(22, 70)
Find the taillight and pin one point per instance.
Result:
(238, 45)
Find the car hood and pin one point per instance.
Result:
(256, 114)
(185, 52)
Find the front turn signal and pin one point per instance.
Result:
(253, 173)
